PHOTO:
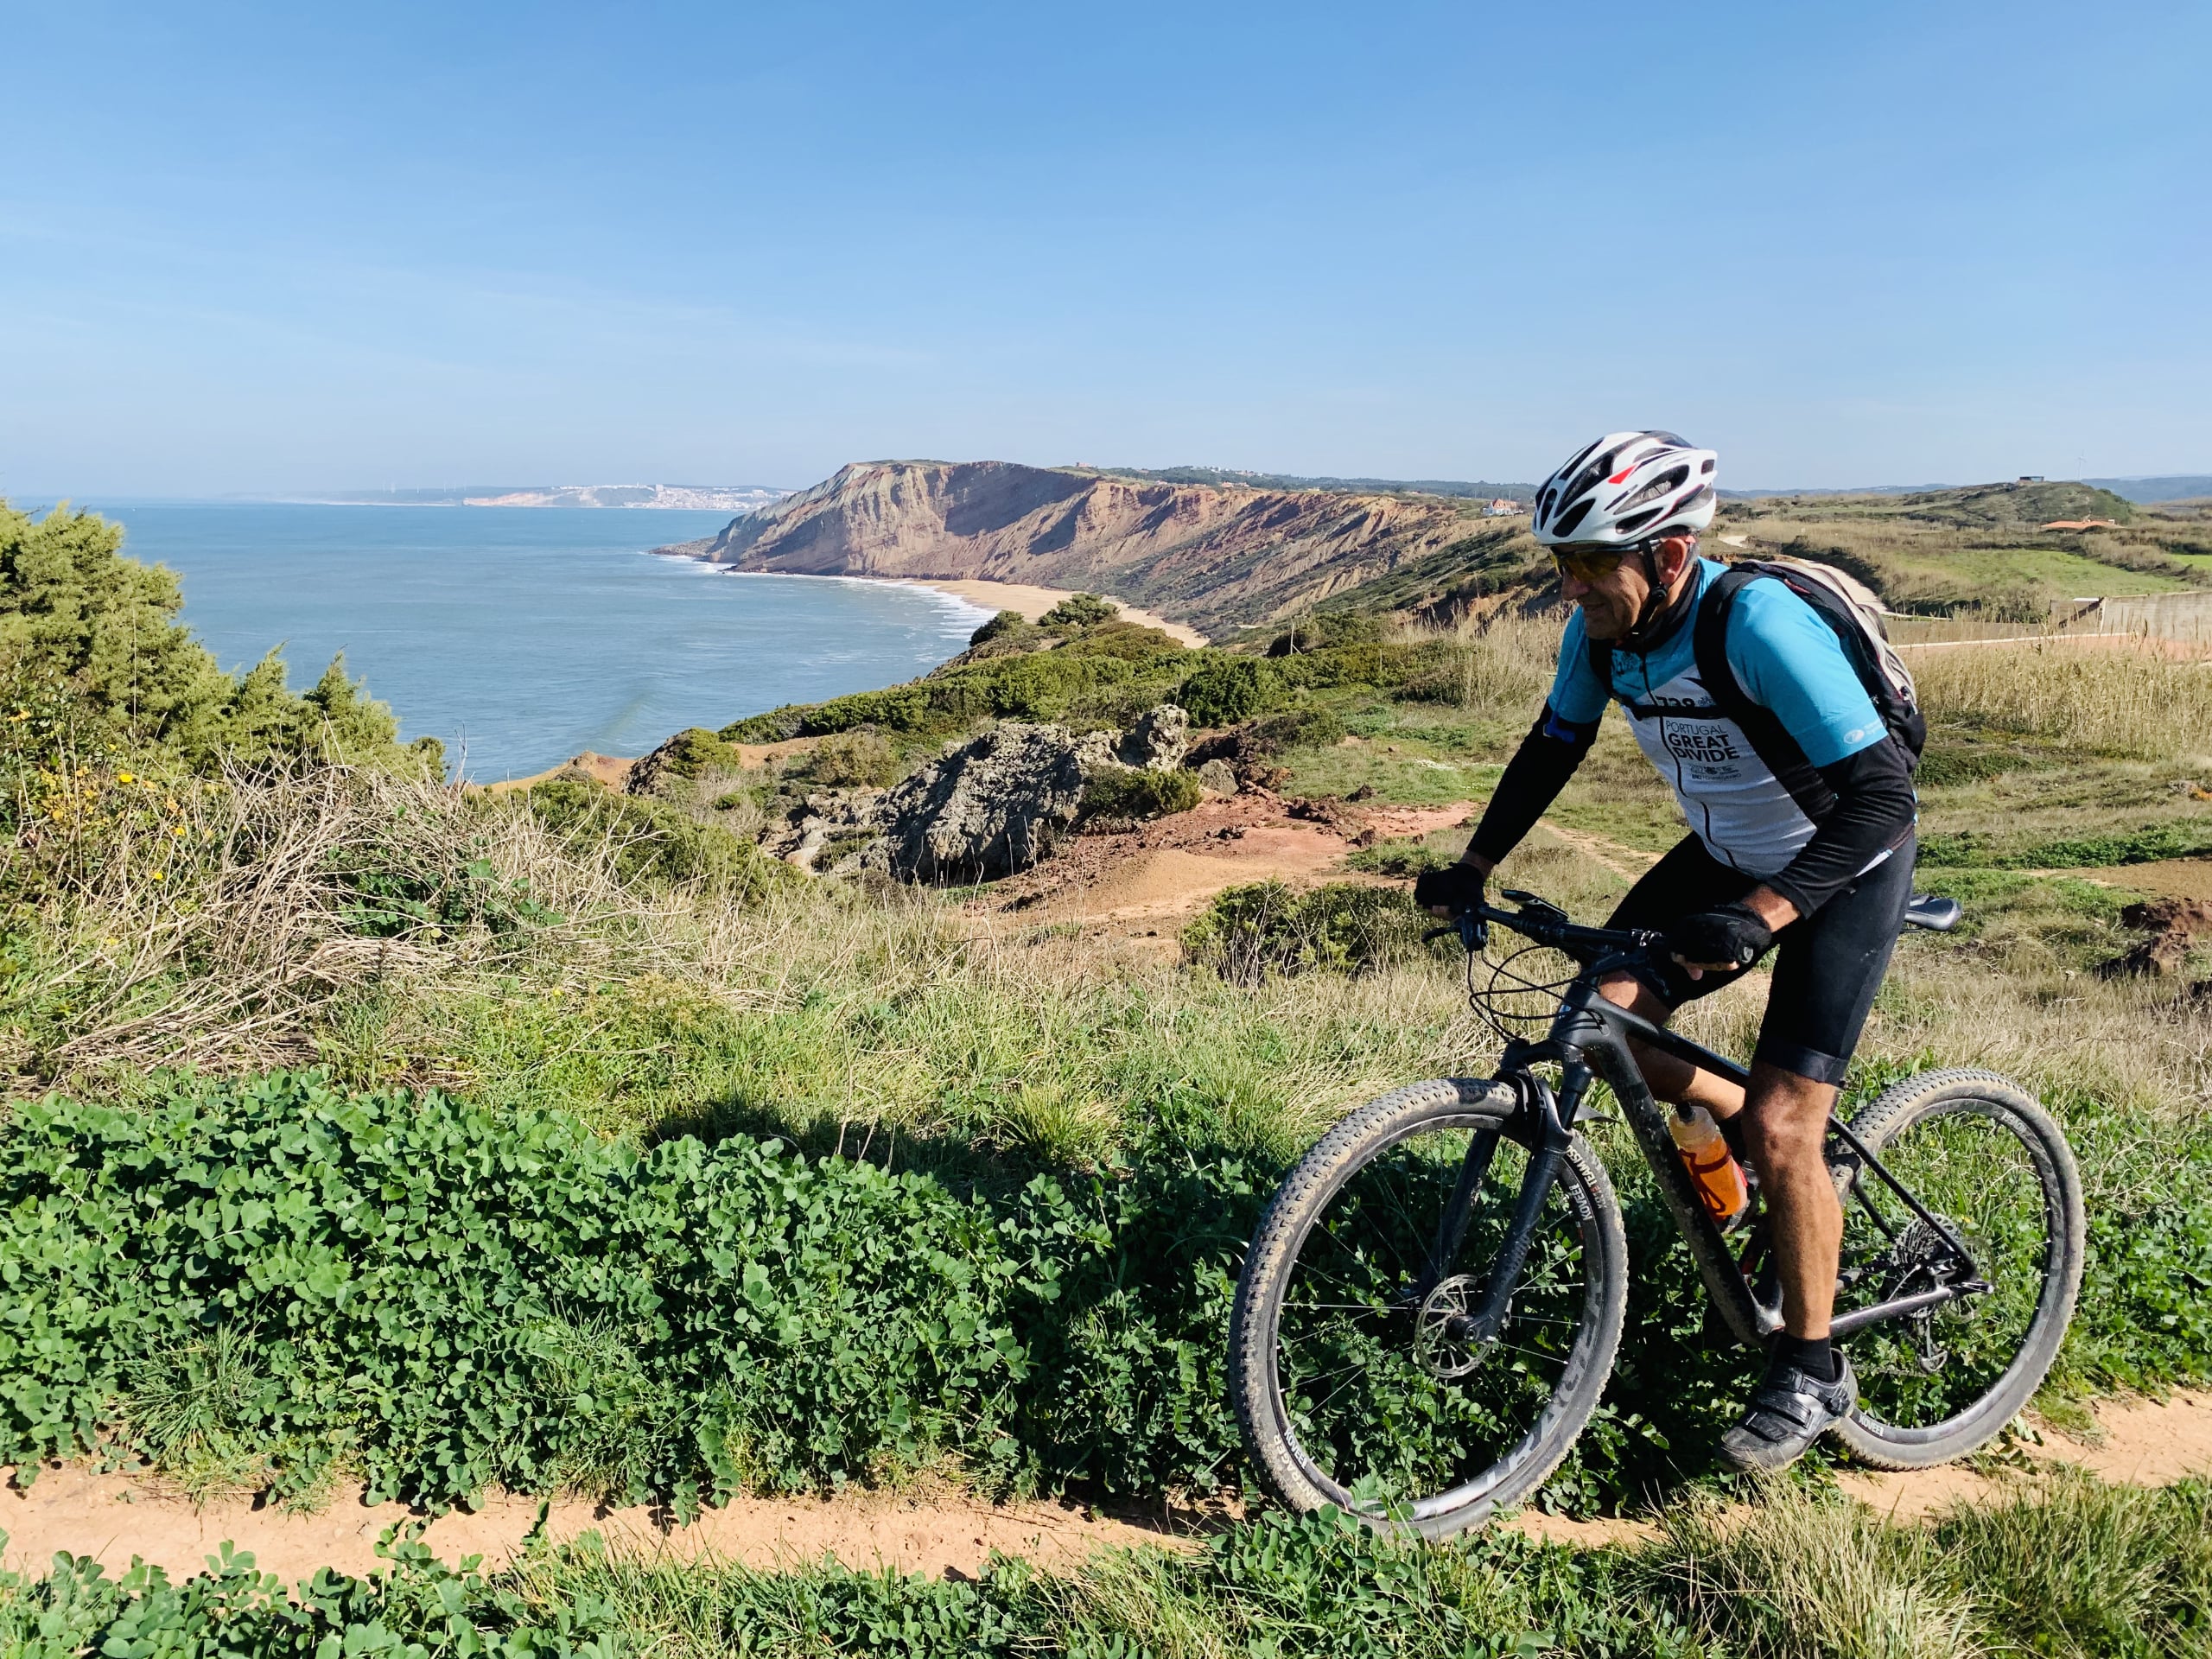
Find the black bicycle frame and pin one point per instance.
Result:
(1589, 1038)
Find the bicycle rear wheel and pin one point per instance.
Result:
(1349, 1383)
(1993, 1169)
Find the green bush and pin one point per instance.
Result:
(1401, 859)
(1077, 611)
(417, 1606)
(1225, 689)
(858, 759)
(652, 840)
(462, 1297)
(695, 750)
(1296, 729)
(1324, 630)
(1138, 797)
(1005, 623)
(91, 656)
(1250, 933)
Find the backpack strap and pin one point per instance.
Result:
(1769, 738)
(1600, 653)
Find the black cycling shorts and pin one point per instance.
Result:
(1827, 967)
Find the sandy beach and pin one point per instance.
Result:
(1033, 602)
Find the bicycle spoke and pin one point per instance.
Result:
(1369, 1403)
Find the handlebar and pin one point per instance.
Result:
(1546, 924)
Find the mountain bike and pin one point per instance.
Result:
(1431, 1303)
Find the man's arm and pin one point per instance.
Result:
(1532, 781)
(1540, 768)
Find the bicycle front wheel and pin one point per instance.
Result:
(1354, 1378)
(1993, 1171)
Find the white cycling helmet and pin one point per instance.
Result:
(1625, 488)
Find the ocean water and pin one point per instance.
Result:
(521, 636)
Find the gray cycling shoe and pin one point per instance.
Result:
(1789, 1410)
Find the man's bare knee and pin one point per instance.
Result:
(1789, 1118)
(1626, 991)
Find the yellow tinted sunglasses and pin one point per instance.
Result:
(1590, 562)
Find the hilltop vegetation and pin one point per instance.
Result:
(1986, 552)
(1233, 553)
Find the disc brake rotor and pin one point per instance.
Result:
(1923, 1258)
(1443, 1346)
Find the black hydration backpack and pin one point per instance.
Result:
(1853, 613)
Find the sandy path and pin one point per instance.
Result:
(1172, 867)
(2172, 878)
(112, 1517)
(2136, 1443)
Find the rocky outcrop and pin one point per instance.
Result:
(831, 822)
(1216, 557)
(988, 808)
(2175, 927)
(1158, 741)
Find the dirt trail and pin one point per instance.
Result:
(113, 1517)
(2172, 878)
(1161, 872)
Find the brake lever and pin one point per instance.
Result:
(1473, 933)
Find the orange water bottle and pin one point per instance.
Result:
(1713, 1170)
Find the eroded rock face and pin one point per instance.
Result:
(826, 819)
(2175, 925)
(1159, 741)
(1215, 556)
(988, 808)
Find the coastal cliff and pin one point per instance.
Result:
(1219, 556)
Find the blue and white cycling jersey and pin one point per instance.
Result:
(1787, 661)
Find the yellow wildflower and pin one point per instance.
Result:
(155, 874)
(124, 778)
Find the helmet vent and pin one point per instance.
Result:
(1574, 515)
(1673, 479)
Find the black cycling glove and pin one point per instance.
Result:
(1456, 888)
(1732, 934)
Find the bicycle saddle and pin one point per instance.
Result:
(1939, 915)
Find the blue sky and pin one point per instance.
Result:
(274, 248)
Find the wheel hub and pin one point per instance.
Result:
(1445, 1342)
(1924, 1258)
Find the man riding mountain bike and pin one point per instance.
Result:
(1800, 801)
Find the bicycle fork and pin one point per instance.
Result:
(1552, 1116)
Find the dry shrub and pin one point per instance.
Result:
(2144, 1044)
(1500, 665)
(211, 924)
(2108, 700)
